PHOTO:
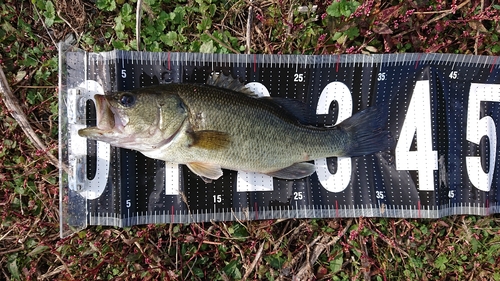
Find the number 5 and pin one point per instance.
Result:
(478, 127)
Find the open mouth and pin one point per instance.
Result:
(105, 116)
(107, 121)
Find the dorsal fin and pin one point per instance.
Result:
(299, 110)
(220, 80)
(294, 109)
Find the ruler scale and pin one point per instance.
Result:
(444, 110)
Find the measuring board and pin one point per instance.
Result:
(444, 110)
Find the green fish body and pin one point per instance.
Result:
(222, 125)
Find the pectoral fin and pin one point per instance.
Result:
(207, 171)
(209, 139)
(295, 171)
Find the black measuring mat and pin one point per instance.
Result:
(443, 112)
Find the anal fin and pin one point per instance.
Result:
(295, 171)
(207, 171)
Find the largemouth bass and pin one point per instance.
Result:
(223, 125)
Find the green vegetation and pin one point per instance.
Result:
(454, 248)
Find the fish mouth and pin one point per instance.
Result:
(108, 122)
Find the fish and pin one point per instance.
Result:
(224, 125)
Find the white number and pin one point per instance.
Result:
(478, 127)
(335, 91)
(217, 198)
(128, 203)
(418, 120)
(453, 74)
(124, 73)
(451, 194)
(298, 77)
(381, 76)
(298, 195)
(380, 194)
(172, 184)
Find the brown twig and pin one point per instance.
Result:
(38, 87)
(138, 15)
(18, 114)
(70, 26)
(476, 43)
(442, 15)
(365, 261)
(45, 26)
(254, 262)
(305, 270)
(249, 26)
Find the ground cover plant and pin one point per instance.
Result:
(452, 248)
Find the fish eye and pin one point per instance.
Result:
(127, 100)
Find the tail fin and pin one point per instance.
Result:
(367, 132)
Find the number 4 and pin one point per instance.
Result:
(418, 120)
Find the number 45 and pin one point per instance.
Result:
(424, 159)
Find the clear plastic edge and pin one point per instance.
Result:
(72, 206)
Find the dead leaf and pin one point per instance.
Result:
(478, 26)
(20, 75)
(382, 28)
(389, 12)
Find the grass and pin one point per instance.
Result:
(452, 248)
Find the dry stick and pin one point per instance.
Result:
(17, 113)
(266, 44)
(444, 14)
(254, 262)
(297, 257)
(476, 43)
(53, 272)
(294, 232)
(138, 16)
(44, 26)
(38, 87)
(320, 247)
(306, 268)
(249, 25)
(70, 26)
(365, 262)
